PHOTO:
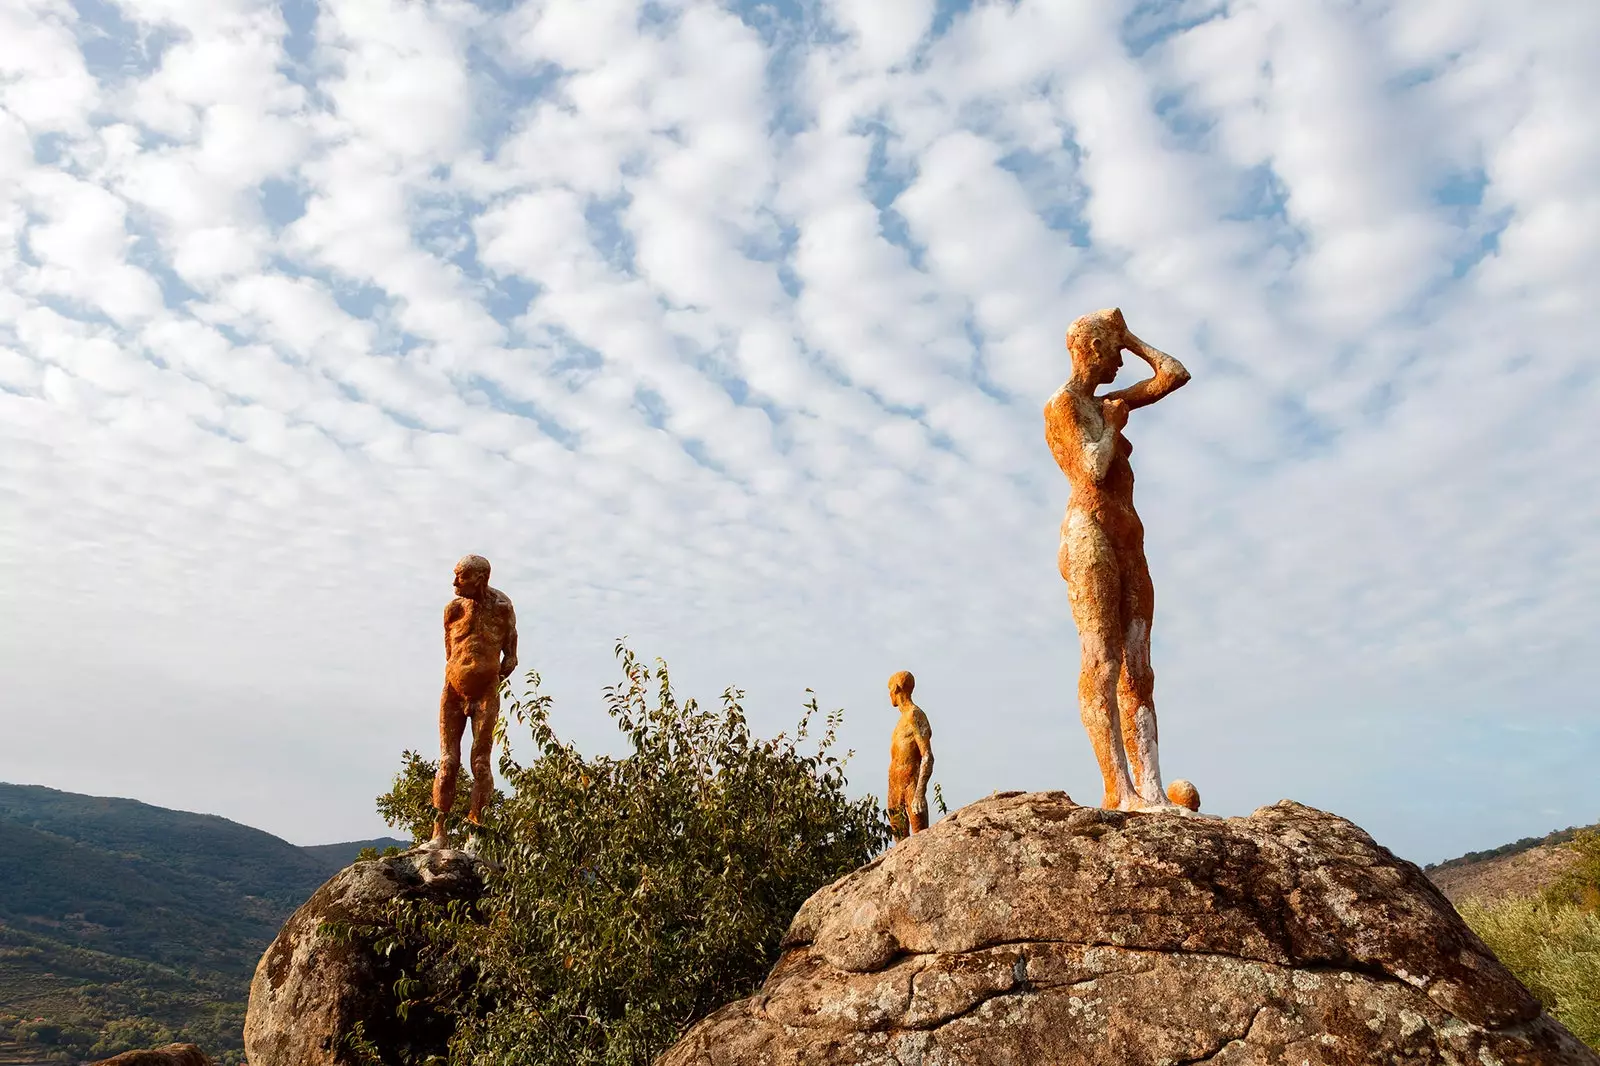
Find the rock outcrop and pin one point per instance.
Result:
(1025, 930)
(166, 1055)
(320, 991)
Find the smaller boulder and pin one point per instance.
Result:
(322, 996)
(166, 1055)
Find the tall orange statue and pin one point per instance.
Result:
(910, 760)
(480, 651)
(1102, 552)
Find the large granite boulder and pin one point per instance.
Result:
(1025, 930)
(166, 1055)
(321, 992)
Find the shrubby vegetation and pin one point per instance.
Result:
(638, 893)
(1552, 941)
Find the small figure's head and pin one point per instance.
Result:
(1095, 343)
(1184, 794)
(472, 576)
(900, 686)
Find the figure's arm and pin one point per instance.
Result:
(509, 649)
(919, 797)
(451, 612)
(1170, 375)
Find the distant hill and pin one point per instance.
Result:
(341, 855)
(1521, 868)
(121, 922)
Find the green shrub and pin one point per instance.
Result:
(1554, 949)
(640, 893)
(1579, 884)
(1552, 942)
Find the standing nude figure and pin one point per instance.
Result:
(480, 651)
(1102, 552)
(910, 760)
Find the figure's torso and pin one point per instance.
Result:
(905, 754)
(478, 630)
(1070, 420)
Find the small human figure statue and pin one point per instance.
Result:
(910, 760)
(1102, 552)
(480, 651)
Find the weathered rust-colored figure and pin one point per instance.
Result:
(1102, 552)
(480, 651)
(910, 760)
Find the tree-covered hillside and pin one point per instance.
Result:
(124, 924)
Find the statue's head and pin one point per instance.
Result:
(472, 576)
(900, 686)
(1184, 794)
(1095, 343)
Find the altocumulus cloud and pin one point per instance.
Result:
(728, 327)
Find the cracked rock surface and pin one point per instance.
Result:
(1026, 930)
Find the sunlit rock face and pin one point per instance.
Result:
(1026, 930)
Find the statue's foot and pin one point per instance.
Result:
(1128, 801)
(439, 843)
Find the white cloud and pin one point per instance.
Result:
(735, 340)
(43, 80)
(884, 33)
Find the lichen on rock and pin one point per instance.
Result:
(1026, 930)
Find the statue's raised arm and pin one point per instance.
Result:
(1170, 375)
(1101, 555)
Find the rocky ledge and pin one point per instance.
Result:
(1026, 930)
(322, 996)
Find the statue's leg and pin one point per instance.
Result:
(1136, 687)
(899, 805)
(484, 716)
(452, 723)
(1094, 587)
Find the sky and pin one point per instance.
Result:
(726, 328)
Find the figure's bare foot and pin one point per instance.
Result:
(1124, 799)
